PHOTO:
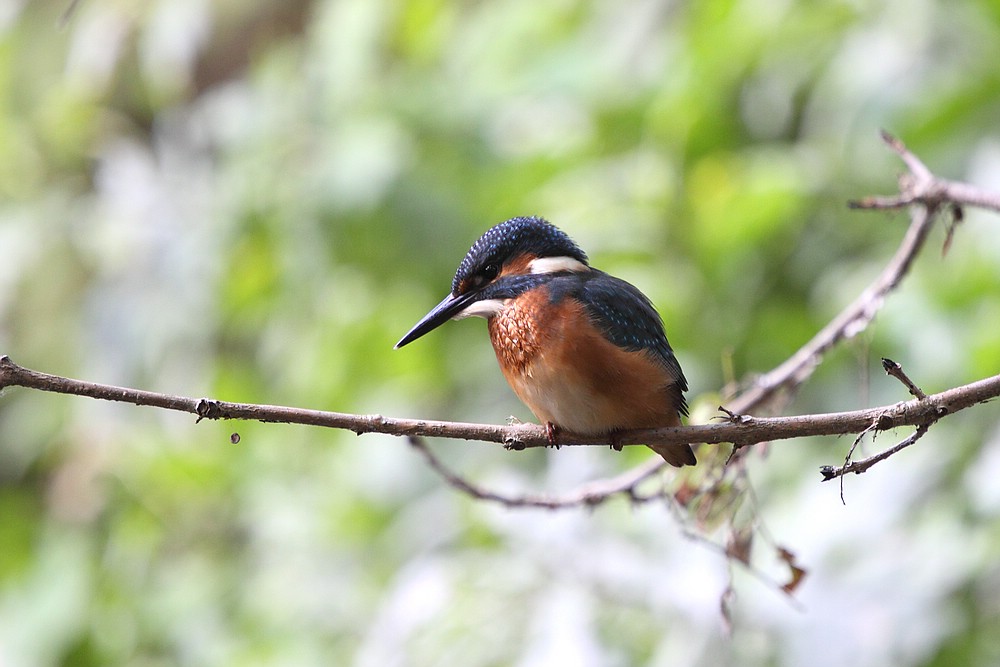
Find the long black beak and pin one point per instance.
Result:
(441, 313)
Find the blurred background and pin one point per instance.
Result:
(254, 200)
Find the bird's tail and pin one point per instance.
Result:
(676, 455)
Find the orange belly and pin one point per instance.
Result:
(569, 374)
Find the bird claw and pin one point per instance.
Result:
(551, 430)
(616, 443)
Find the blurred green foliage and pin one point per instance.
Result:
(255, 200)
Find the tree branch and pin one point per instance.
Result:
(858, 467)
(740, 430)
(917, 186)
(920, 186)
(587, 495)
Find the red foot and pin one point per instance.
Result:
(551, 430)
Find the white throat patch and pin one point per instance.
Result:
(486, 309)
(556, 264)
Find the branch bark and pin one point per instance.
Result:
(740, 430)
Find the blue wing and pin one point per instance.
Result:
(626, 317)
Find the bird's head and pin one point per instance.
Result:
(509, 259)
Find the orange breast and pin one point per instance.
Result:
(558, 363)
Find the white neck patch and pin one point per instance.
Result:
(556, 264)
(486, 308)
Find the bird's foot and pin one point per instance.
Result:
(551, 431)
(616, 441)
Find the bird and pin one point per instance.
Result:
(585, 351)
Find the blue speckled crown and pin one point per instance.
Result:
(517, 236)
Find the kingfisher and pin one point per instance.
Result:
(585, 351)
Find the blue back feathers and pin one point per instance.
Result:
(624, 315)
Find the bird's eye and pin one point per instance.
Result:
(488, 273)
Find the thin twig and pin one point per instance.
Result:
(68, 13)
(895, 370)
(858, 467)
(586, 496)
(850, 453)
(829, 472)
